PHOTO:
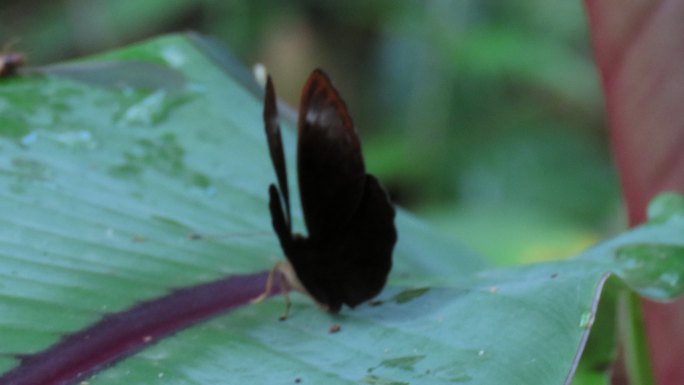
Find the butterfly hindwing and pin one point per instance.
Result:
(354, 268)
(370, 241)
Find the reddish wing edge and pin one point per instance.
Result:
(318, 91)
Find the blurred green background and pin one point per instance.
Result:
(485, 117)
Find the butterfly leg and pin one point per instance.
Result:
(285, 289)
(269, 286)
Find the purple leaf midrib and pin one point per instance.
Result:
(115, 336)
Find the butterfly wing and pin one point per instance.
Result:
(275, 148)
(348, 254)
(365, 258)
(282, 223)
(349, 216)
(354, 268)
(329, 161)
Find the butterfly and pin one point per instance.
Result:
(347, 255)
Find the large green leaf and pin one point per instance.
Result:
(109, 166)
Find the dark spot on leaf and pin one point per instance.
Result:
(172, 224)
(125, 170)
(375, 380)
(29, 168)
(554, 275)
(410, 294)
(201, 180)
(334, 329)
(403, 363)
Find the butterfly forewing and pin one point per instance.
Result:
(329, 161)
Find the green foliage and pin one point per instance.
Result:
(107, 172)
(461, 104)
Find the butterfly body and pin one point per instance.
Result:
(347, 255)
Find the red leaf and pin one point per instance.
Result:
(639, 49)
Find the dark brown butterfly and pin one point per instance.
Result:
(350, 220)
(10, 62)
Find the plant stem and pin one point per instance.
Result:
(637, 358)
